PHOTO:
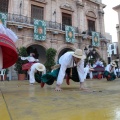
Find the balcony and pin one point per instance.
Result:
(88, 32)
(14, 18)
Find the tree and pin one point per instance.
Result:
(18, 65)
(50, 55)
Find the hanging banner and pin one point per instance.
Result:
(70, 34)
(95, 39)
(39, 30)
(3, 18)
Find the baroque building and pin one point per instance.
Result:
(67, 24)
(117, 9)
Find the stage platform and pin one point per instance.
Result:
(21, 101)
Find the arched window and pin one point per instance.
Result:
(91, 18)
(4, 6)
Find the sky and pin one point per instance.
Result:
(111, 18)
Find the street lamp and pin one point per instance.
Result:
(90, 52)
(90, 47)
(54, 13)
(94, 51)
(86, 50)
(20, 7)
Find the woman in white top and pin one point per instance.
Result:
(31, 59)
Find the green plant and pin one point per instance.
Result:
(50, 55)
(18, 65)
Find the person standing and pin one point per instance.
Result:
(88, 69)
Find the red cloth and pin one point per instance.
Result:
(99, 76)
(27, 66)
(9, 51)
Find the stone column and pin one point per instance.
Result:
(118, 36)
(80, 13)
(101, 21)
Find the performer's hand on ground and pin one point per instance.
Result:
(58, 88)
(83, 88)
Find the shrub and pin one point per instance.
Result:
(18, 65)
(50, 55)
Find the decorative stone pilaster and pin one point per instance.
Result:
(80, 11)
(101, 21)
(79, 3)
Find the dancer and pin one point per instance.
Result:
(8, 51)
(70, 63)
(110, 72)
(88, 69)
(31, 60)
(33, 69)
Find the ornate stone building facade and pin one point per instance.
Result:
(117, 9)
(84, 16)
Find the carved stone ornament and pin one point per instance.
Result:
(66, 6)
(41, 1)
(79, 3)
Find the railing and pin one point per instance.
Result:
(29, 20)
(88, 32)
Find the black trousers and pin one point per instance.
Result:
(74, 76)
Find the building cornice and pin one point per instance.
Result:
(66, 6)
(40, 1)
(116, 7)
(99, 3)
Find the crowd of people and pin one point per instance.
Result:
(70, 66)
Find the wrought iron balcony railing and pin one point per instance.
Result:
(29, 20)
(88, 32)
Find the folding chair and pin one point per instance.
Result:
(2, 74)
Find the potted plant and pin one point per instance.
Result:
(50, 55)
(18, 65)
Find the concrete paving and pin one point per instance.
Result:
(21, 101)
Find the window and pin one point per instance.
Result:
(112, 52)
(4, 6)
(37, 12)
(66, 19)
(112, 47)
(91, 25)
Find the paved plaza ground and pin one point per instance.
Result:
(21, 101)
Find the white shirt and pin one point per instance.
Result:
(30, 59)
(118, 70)
(8, 32)
(108, 68)
(66, 61)
(32, 72)
(99, 63)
